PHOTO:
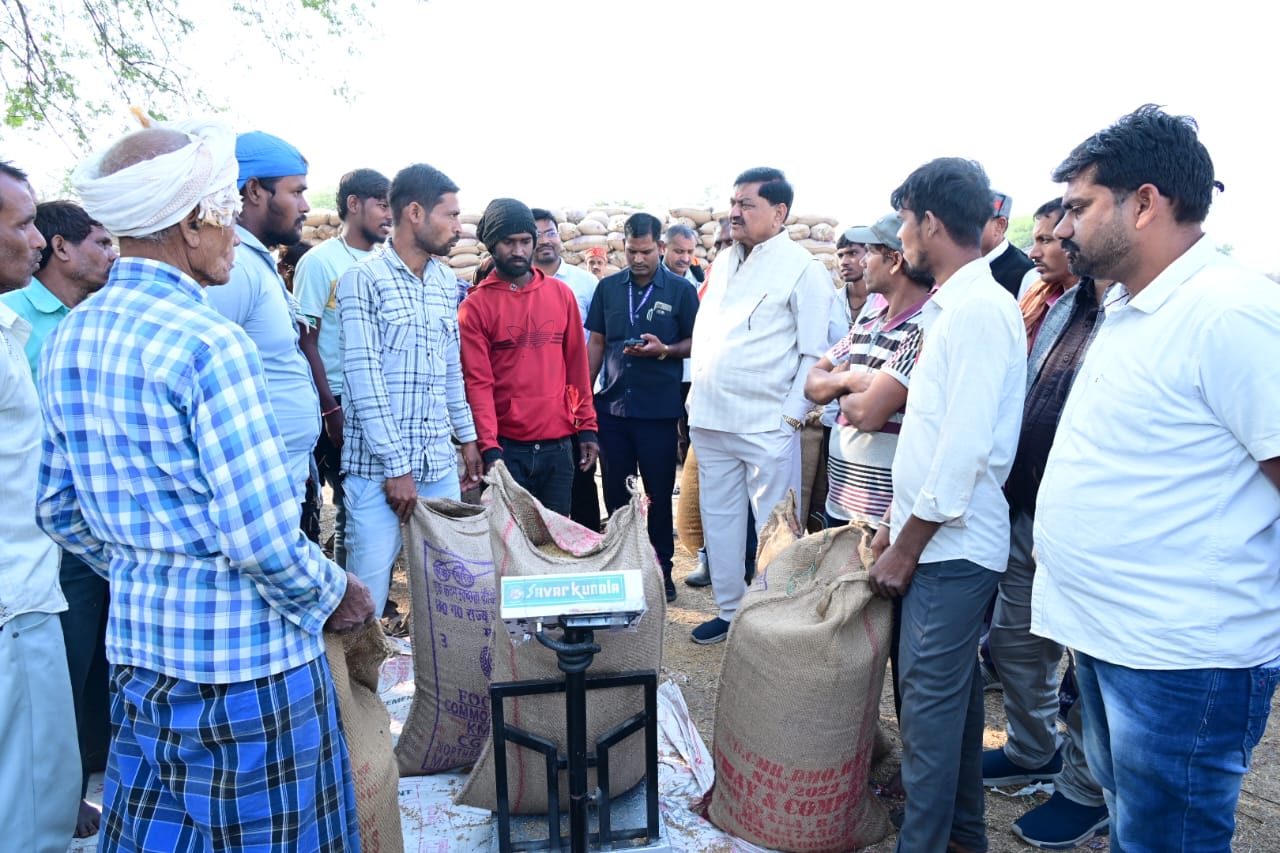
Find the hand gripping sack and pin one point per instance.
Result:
(529, 539)
(454, 605)
(798, 709)
(354, 658)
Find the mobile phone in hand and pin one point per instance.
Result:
(634, 342)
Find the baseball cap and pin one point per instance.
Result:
(883, 233)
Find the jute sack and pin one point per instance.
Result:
(454, 604)
(780, 531)
(813, 470)
(688, 516)
(528, 539)
(354, 659)
(799, 702)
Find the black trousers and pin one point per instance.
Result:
(628, 445)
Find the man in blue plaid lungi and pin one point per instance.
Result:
(163, 467)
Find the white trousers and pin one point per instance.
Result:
(733, 469)
(39, 751)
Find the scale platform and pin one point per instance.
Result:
(529, 832)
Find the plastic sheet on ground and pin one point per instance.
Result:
(433, 824)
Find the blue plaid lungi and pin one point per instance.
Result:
(254, 766)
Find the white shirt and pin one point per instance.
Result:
(761, 326)
(960, 430)
(583, 284)
(29, 560)
(1158, 535)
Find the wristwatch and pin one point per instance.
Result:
(794, 424)
(666, 350)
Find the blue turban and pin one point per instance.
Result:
(262, 155)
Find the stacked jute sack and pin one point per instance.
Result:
(583, 229)
(797, 719)
(456, 554)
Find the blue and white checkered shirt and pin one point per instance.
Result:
(163, 467)
(403, 392)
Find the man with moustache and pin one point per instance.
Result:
(639, 401)
(762, 325)
(39, 764)
(272, 182)
(76, 261)
(1167, 457)
(584, 507)
(1062, 314)
(525, 362)
(597, 261)
(224, 720)
(946, 539)
(404, 394)
(366, 222)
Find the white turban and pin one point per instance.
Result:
(151, 195)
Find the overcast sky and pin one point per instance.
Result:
(663, 102)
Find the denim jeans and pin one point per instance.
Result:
(1170, 748)
(373, 530)
(544, 469)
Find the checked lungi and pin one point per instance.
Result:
(253, 766)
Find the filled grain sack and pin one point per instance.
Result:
(354, 658)
(813, 468)
(698, 215)
(688, 515)
(780, 531)
(798, 707)
(454, 604)
(528, 539)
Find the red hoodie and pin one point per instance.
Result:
(525, 362)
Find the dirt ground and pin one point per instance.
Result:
(696, 669)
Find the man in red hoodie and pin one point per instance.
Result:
(525, 362)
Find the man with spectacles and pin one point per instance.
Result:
(585, 505)
(764, 325)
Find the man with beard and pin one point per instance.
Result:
(76, 261)
(584, 507)
(272, 183)
(404, 393)
(1158, 518)
(366, 222)
(946, 540)
(525, 361)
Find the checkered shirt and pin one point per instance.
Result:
(163, 467)
(402, 389)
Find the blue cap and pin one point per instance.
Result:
(262, 155)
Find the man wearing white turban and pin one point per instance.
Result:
(163, 468)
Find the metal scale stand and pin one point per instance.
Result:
(529, 610)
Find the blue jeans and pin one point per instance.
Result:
(1170, 749)
(544, 469)
(373, 530)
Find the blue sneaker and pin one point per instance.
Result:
(998, 770)
(1061, 824)
(712, 631)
